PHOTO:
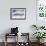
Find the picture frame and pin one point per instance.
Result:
(17, 13)
(41, 12)
(41, 9)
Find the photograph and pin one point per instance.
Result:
(17, 13)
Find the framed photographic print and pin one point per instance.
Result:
(41, 12)
(17, 13)
(41, 8)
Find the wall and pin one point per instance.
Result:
(24, 25)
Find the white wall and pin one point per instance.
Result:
(24, 25)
